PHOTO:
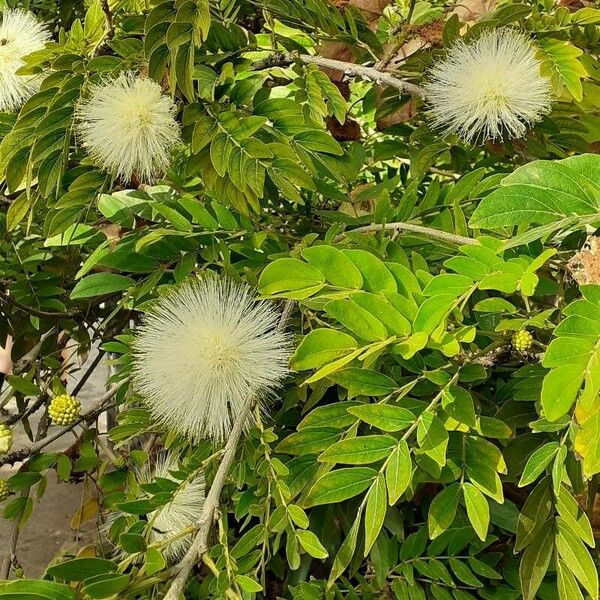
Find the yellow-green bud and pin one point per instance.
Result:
(6, 438)
(120, 463)
(64, 409)
(522, 340)
(4, 490)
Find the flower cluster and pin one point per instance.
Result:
(167, 524)
(20, 35)
(489, 87)
(128, 127)
(185, 509)
(4, 490)
(6, 438)
(64, 409)
(204, 350)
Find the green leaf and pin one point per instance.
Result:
(359, 450)
(560, 63)
(538, 462)
(248, 585)
(287, 275)
(442, 510)
(26, 387)
(363, 382)
(79, 569)
(376, 276)
(566, 583)
(132, 542)
(463, 573)
(478, 510)
(432, 438)
(340, 485)
(105, 585)
(27, 589)
(309, 441)
(99, 284)
(542, 192)
(458, 404)
(375, 511)
(346, 551)
(18, 210)
(398, 471)
(384, 416)
(320, 347)
(337, 268)
(577, 558)
(384, 311)
(535, 561)
(155, 561)
(310, 542)
(335, 415)
(432, 313)
(534, 513)
(356, 319)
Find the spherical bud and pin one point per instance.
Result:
(4, 490)
(6, 438)
(522, 340)
(64, 409)
(120, 463)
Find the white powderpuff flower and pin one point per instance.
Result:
(128, 127)
(167, 522)
(488, 87)
(184, 509)
(205, 349)
(20, 34)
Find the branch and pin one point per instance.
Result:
(9, 301)
(379, 77)
(109, 19)
(34, 448)
(211, 504)
(436, 234)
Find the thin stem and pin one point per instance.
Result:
(443, 236)
(369, 73)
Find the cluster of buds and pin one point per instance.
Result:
(64, 409)
(6, 438)
(4, 490)
(522, 340)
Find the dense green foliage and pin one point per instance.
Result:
(415, 452)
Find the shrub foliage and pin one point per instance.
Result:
(418, 450)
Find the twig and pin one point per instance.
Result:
(10, 555)
(24, 362)
(94, 411)
(9, 301)
(379, 77)
(109, 19)
(11, 548)
(436, 234)
(82, 381)
(211, 504)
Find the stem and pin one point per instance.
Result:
(369, 73)
(443, 236)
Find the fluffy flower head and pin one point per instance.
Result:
(488, 87)
(20, 35)
(204, 349)
(184, 510)
(128, 127)
(169, 520)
